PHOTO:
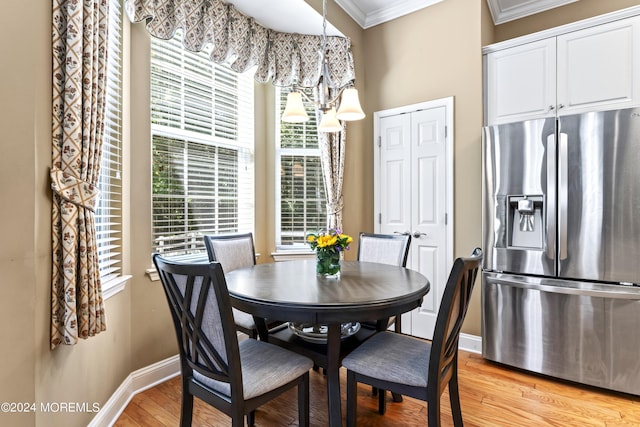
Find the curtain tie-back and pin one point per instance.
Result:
(74, 190)
(335, 207)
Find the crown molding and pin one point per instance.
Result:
(393, 10)
(516, 9)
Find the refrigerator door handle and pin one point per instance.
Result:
(563, 190)
(551, 197)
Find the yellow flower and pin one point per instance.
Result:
(326, 241)
(311, 238)
(345, 236)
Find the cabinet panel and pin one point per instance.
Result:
(521, 82)
(598, 67)
(394, 172)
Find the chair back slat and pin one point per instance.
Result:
(390, 249)
(201, 310)
(451, 315)
(233, 251)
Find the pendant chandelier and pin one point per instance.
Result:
(345, 105)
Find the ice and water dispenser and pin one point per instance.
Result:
(525, 228)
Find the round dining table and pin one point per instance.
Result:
(291, 291)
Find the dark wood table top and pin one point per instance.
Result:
(294, 291)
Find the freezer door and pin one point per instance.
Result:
(519, 197)
(599, 196)
(578, 331)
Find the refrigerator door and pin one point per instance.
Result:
(519, 197)
(580, 331)
(599, 196)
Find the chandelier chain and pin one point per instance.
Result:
(324, 26)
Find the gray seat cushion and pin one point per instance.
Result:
(264, 368)
(392, 357)
(243, 319)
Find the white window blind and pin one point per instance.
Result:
(202, 141)
(108, 214)
(301, 202)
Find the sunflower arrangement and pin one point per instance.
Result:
(332, 240)
(328, 246)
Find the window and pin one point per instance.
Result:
(300, 197)
(202, 148)
(108, 214)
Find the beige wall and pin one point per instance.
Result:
(152, 335)
(424, 56)
(431, 54)
(23, 81)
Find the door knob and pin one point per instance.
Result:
(417, 234)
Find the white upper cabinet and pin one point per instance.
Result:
(598, 67)
(521, 82)
(590, 69)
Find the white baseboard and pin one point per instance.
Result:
(471, 343)
(135, 383)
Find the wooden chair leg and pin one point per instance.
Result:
(454, 396)
(352, 400)
(303, 402)
(251, 418)
(398, 329)
(433, 411)
(237, 419)
(186, 411)
(382, 401)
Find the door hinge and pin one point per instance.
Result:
(379, 141)
(446, 218)
(380, 218)
(446, 129)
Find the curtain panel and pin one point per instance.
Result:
(332, 147)
(242, 43)
(79, 39)
(332, 152)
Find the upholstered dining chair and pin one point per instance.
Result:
(415, 367)
(390, 249)
(234, 377)
(234, 251)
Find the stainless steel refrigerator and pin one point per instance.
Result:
(561, 227)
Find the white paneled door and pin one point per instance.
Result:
(414, 190)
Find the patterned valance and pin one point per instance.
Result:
(237, 40)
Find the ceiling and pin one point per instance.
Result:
(297, 16)
(288, 16)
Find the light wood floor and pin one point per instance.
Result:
(491, 395)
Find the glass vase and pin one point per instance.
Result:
(328, 263)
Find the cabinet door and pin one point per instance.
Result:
(521, 82)
(598, 67)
